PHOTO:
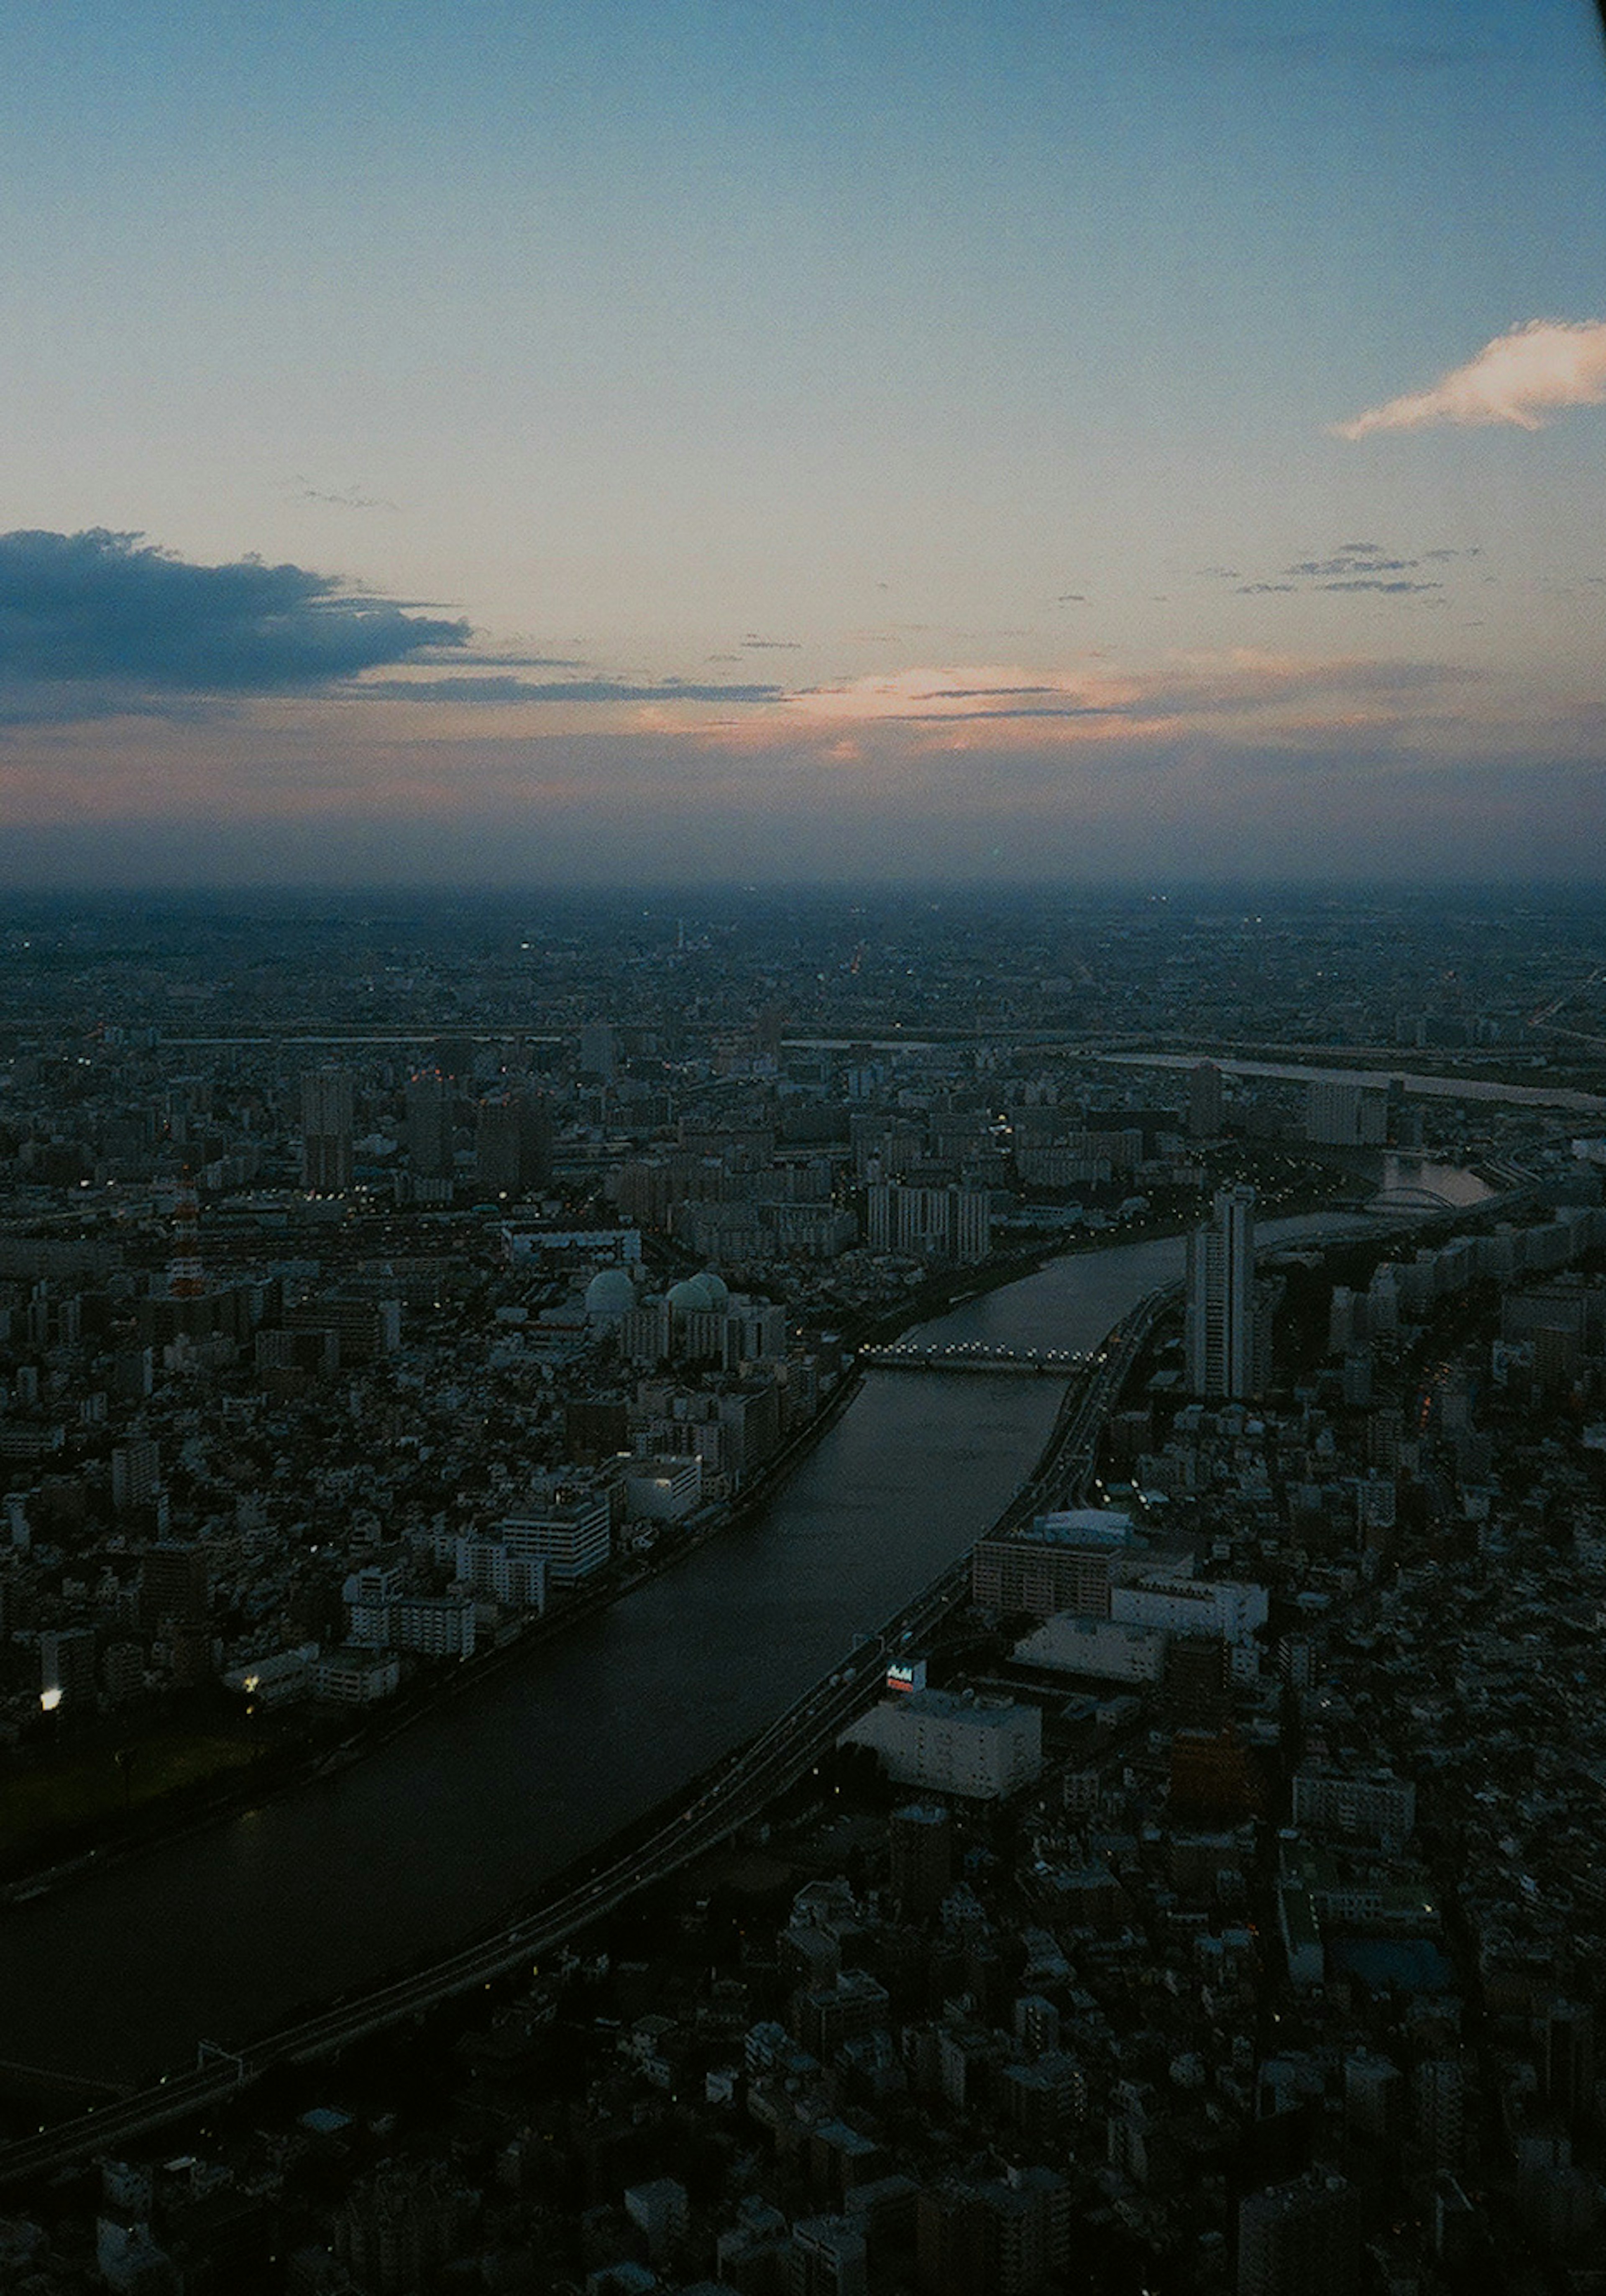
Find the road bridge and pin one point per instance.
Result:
(973, 1356)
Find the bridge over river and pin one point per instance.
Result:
(973, 1355)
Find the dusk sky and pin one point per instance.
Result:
(615, 440)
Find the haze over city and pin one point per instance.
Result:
(665, 444)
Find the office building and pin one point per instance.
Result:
(827, 2258)
(135, 1474)
(1206, 1101)
(571, 1533)
(1374, 1807)
(921, 1840)
(1299, 2238)
(512, 1143)
(982, 1748)
(326, 1132)
(174, 1588)
(931, 1223)
(1339, 1114)
(428, 1126)
(1220, 1323)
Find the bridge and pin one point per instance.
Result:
(1412, 1201)
(973, 1355)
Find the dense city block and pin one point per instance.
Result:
(1196, 1888)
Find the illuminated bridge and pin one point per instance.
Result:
(972, 1354)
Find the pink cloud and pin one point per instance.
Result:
(1518, 379)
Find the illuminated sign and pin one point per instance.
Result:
(906, 1674)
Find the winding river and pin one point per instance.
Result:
(226, 1932)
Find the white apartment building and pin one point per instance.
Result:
(1228, 1608)
(1374, 1807)
(1099, 1648)
(490, 1567)
(357, 1677)
(982, 1748)
(434, 1626)
(572, 1534)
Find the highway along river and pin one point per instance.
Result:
(433, 1835)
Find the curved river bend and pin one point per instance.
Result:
(485, 1798)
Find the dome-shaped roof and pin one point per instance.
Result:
(719, 1291)
(691, 1296)
(610, 1292)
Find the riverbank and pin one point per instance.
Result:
(394, 1859)
(489, 1951)
(250, 1780)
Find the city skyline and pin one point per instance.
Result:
(673, 446)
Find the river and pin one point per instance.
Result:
(333, 1885)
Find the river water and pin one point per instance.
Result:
(335, 1883)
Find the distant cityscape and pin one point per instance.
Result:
(1187, 1877)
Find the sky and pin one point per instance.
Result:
(687, 441)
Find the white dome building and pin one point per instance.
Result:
(693, 1296)
(609, 1295)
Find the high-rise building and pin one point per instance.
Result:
(1220, 1327)
(1438, 2110)
(326, 1130)
(1339, 1114)
(922, 1836)
(571, 1533)
(1299, 2238)
(513, 1143)
(428, 1126)
(826, 2258)
(1206, 1101)
(1566, 2035)
(599, 1052)
(186, 1277)
(174, 1586)
(932, 1224)
(135, 1474)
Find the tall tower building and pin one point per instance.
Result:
(513, 1143)
(186, 1277)
(1220, 1324)
(429, 1125)
(326, 1129)
(1207, 1101)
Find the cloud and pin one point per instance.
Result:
(771, 645)
(1359, 566)
(950, 709)
(956, 696)
(1350, 558)
(556, 689)
(1391, 589)
(1518, 378)
(97, 622)
(351, 497)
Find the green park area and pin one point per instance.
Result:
(69, 1798)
